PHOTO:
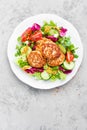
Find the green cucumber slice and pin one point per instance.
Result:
(62, 48)
(45, 75)
(62, 75)
(69, 66)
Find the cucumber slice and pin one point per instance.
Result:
(54, 32)
(68, 66)
(45, 75)
(62, 75)
(62, 48)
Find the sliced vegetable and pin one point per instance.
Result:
(69, 56)
(68, 66)
(45, 75)
(64, 70)
(67, 71)
(26, 50)
(29, 71)
(52, 70)
(37, 75)
(26, 67)
(62, 75)
(37, 35)
(62, 48)
(25, 36)
(54, 39)
(54, 32)
(33, 70)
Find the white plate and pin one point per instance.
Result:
(40, 84)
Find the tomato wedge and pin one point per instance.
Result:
(69, 56)
(26, 34)
(37, 35)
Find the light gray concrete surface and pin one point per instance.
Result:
(25, 108)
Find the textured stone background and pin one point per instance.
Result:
(25, 108)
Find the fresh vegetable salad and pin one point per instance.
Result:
(45, 52)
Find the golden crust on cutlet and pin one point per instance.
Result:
(35, 59)
(56, 61)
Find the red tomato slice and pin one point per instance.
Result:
(37, 35)
(26, 34)
(69, 56)
(23, 38)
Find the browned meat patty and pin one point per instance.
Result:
(41, 42)
(48, 48)
(39, 47)
(36, 59)
(45, 40)
(50, 51)
(56, 61)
